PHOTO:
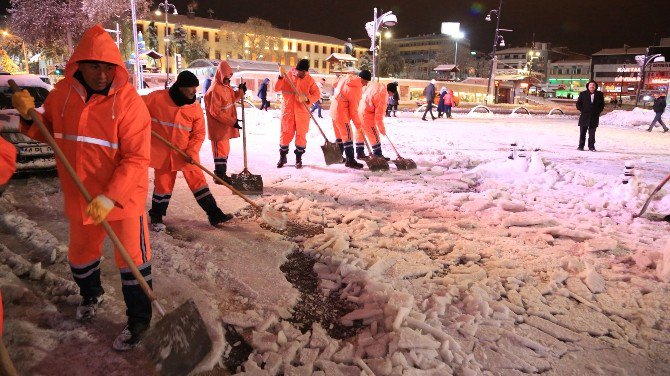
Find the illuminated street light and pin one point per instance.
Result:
(497, 40)
(166, 7)
(387, 19)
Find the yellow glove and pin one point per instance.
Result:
(99, 208)
(282, 71)
(23, 102)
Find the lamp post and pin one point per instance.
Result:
(456, 37)
(496, 39)
(387, 19)
(166, 9)
(643, 72)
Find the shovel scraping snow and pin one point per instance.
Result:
(401, 163)
(245, 181)
(185, 321)
(658, 188)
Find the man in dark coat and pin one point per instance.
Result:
(590, 103)
(263, 94)
(429, 92)
(659, 109)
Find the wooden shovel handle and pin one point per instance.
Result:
(82, 189)
(306, 108)
(208, 172)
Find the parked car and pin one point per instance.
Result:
(32, 155)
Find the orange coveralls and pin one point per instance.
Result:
(107, 140)
(295, 115)
(344, 108)
(7, 160)
(372, 110)
(222, 116)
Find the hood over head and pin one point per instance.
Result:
(97, 45)
(222, 71)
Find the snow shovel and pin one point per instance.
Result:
(401, 163)
(374, 162)
(331, 152)
(179, 341)
(245, 181)
(658, 188)
(6, 365)
(270, 216)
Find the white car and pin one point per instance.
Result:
(32, 155)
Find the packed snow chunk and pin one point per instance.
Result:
(536, 165)
(663, 267)
(411, 339)
(512, 206)
(242, 320)
(476, 205)
(526, 219)
(593, 280)
(263, 341)
(353, 215)
(602, 244)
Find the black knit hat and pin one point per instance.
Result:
(366, 75)
(186, 79)
(303, 65)
(392, 87)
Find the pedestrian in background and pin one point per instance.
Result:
(440, 102)
(429, 93)
(659, 109)
(590, 103)
(317, 104)
(263, 94)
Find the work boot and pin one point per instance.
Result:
(157, 224)
(130, 336)
(282, 159)
(218, 217)
(350, 160)
(220, 172)
(298, 161)
(360, 153)
(88, 307)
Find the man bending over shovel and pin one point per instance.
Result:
(177, 117)
(372, 109)
(103, 127)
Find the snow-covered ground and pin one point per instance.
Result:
(474, 264)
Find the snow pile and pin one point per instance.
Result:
(637, 117)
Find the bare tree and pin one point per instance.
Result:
(255, 39)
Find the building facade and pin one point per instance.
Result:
(617, 72)
(423, 53)
(568, 77)
(224, 42)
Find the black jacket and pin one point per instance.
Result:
(659, 104)
(590, 112)
(429, 92)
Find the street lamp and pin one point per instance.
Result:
(497, 38)
(456, 37)
(532, 55)
(643, 72)
(166, 8)
(387, 19)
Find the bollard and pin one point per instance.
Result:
(628, 172)
(522, 152)
(512, 151)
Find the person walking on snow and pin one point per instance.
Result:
(659, 109)
(371, 110)
(176, 117)
(345, 109)
(590, 103)
(104, 130)
(317, 104)
(263, 94)
(222, 123)
(429, 93)
(449, 102)
(294, 113)
(440, 102)
(207, 84)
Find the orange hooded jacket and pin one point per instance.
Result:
(292, 109)
(107, 139)
(7, 160)
(183, 126)
(346, 99)
(373, 106)
(220, 106)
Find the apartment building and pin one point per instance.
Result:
(293, 45)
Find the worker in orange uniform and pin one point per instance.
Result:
(177, 117)
(346, 99)
(222, 122)
(7, 161)
(372, 109)
(104, 129)
(295, 110)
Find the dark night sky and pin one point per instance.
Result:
(584, 25)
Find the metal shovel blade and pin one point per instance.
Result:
(377, 164)
(332, 153)
(248, 183)
(404, 164)
(179, 341)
